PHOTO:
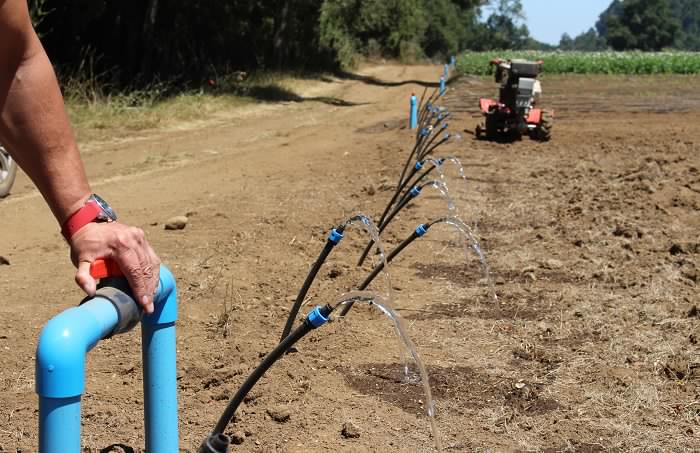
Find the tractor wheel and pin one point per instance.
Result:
(8, 171)
(543, 132)
(491, 127)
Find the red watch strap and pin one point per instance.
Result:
(80, 218)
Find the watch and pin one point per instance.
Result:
(94, 210)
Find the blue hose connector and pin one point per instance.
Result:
(425, 132)
(415, 191)
(316, 318)
(335, 236)
(421, 230)
(419, 165)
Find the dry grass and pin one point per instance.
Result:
(98, 113)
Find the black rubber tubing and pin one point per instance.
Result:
(385, 222)
(417, 150)
(399, 248)
(269, 360)
(294, 311)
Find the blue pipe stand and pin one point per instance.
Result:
(60, 364)
(160, 372)
(413, 117)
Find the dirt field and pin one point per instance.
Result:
(593, 241)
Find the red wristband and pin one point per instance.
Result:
(80, 218)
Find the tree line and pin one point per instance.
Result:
(647, 25)
(138, 41)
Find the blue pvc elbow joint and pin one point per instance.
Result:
(317, 318)
(415, 191)
(421, 230)
(335, 236)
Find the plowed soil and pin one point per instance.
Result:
(593, 241)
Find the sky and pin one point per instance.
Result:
(549, 19)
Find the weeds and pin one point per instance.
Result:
(99, 110)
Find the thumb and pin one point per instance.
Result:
(84, 279)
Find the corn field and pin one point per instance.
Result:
(477, 63)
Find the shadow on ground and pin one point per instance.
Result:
(275, 93)
(371, 80)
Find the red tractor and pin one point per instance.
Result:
(515, 114)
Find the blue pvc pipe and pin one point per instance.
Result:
(413, 118)
(60, 370)
(160, 371)
(453, 61)
(59, 424)
(446, 72)
(443, 88)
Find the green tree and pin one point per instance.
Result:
(688, 14)
(452, 26)
(588, 41)
(505, 27)
(641, 24)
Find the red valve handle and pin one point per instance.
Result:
(103, 268)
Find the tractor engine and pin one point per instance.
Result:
(519, 85)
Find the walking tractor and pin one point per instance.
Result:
(515, 113)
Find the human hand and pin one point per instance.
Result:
(125, 245)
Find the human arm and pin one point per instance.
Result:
(34, 128)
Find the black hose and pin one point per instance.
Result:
(265, 365)
(385, 221)
(421, 151)
(432, 148)
(418, 232)
(420, 106)
(294, 311)
(428, 102)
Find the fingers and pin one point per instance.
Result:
(84, 279)
(135, 261)
(128, 247)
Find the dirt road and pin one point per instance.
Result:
(593, 242)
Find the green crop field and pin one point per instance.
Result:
(477, 63)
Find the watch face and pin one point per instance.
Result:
(108, 212)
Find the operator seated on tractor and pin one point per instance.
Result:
(515, 113)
